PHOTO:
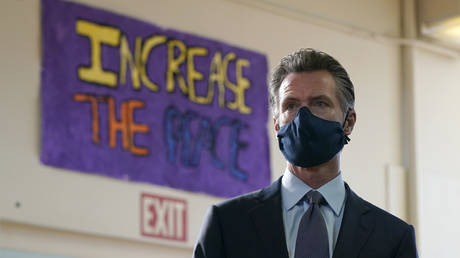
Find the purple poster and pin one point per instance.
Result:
(133, 101)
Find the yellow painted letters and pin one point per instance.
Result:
(98, 34)
(242, 84)
(127, 58)
(216, 75)
(193, 75)
(173, 66)
(148, 45)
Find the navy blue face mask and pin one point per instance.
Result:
(308, 140)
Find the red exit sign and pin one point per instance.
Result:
(163, 217)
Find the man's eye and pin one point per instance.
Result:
(291, 106)
(321, 104)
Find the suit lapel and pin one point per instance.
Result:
(268, 219)
(357, 224)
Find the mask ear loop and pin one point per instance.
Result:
(347, 139)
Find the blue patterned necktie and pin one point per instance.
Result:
(312, 240)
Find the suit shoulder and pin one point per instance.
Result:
(245, 201)
(382, 217)
(386, 219)
(387, 234)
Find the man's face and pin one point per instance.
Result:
(315, 90)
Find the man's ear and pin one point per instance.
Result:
(276, 124)
(350, 122)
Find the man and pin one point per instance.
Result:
(310, 211)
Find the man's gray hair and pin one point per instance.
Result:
(308, 60)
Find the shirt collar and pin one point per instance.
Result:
(293, 189)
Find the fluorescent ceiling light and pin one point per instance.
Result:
(447, 30)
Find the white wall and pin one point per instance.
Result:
(377, 17)
(437, 141)
(69, 213)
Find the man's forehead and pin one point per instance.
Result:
(315, 83)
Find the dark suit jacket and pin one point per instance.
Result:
(252, 226)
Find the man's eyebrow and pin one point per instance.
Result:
(290, 99)
(321, 97)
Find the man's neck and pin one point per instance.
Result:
(317, 176)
